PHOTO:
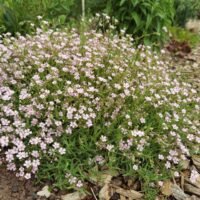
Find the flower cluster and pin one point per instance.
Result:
(73, 180)
(195, 176)
(55, 83)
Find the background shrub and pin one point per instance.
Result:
(146, 20)
(185, 10)
(16, 15)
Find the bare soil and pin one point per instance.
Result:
(12, 188)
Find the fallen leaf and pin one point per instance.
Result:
(44, 192)
(132, 194)
(178, 193)
(166, 189)
(101, 178)
(192, 189)
(194, 181)
(104, 193)
(73, 196)
(193, 197)
(106, 178)
(117, 181)
(185, 164)
(186, 173)
(122, 198)
(196, 161)
(182, 181)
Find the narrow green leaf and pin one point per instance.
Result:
(136, 18)
(134, 2)
(149, 21)
(122, 2)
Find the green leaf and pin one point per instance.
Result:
(161, 15)
(134, 2)
(147, 41)
(122, 2)
(62, 19)
(144, 11)
(149, 21)
(136, 18)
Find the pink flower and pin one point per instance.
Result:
(4, 141)
(79, 184)
(135, 167)
(27, 176)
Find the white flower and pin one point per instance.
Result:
(109, 147)
(168, 165)
(39, 17)
(27, 176)
(176, 174)
(165, 29)
(103, 138)
(194, 176)
(142, 120)
(160, 183)
(62, 151)
(135, 167)
(161, 157)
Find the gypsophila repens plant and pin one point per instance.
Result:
(73, 102)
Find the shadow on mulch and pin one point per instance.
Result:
(11, 188)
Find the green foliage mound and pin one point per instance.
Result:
(74, 104)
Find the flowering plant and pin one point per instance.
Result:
(70, 101)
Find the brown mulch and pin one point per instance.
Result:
(180, 49)
(185, 63)
(13, 189)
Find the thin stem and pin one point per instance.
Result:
(83, 9)
(93, 194)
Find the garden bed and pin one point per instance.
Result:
(92, 106)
